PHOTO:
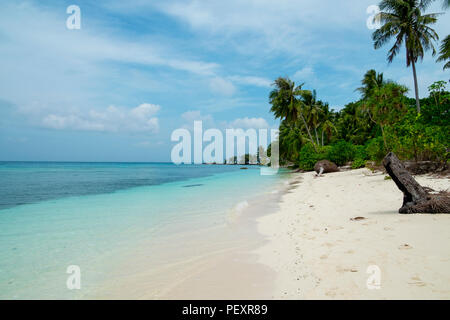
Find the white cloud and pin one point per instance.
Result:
(195, 115)
(249, 123)
(304, 74)
(283, 25)
(251, 80)
(112, 119)
(222, 86)
(209, 122)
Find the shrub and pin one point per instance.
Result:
(360, 153)
(342, 152)
(358, 163)
(375, 149)
(414, 138)
(308, 156)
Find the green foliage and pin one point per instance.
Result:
(387, 104)
(342, 152)
(384, 120)
(291, 141)
(358, 163)
(405, 22)
(444, 52)
(360, 153)
(375, 149)
(353, 125)
(308, 156)
(416, 138)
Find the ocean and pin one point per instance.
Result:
(101, 216)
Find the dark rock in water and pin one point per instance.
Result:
(192, 185)
(243, 168)
(327, 166)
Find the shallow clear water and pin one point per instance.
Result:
(88, 214)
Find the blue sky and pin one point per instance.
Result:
(136, 70)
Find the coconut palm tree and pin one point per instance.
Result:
(444, 52)
(445, 3)
(403, 21)
(286, 105)
(371, 81)
(291, 141)
(312, 111)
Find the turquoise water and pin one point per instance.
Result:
(88, 214)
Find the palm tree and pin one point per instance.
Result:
(291, 141)
(312, 110)
(445, 3)
(286, 105)
(371, 81)
(327, 126)
(444, 52)
(403, 20)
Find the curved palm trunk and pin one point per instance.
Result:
(416, 86)
(317, 136)
(307, 129)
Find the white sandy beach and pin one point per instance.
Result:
(318, 252)
(303, 245)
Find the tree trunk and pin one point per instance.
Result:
(307, 129)
(416, 86)
(317, 136)
(415, 198)
(384, 138)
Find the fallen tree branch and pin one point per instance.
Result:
(416, 199)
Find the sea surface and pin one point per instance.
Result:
(58, 214)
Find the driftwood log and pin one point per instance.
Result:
(416, 199)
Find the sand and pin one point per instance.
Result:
(317, 251)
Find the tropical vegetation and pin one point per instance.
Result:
(384, 119)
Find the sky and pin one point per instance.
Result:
(115, 89)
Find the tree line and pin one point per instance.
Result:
(383, 119)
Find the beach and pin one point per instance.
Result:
(318, 250)
(290, 236)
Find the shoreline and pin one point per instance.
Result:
(318, 252)
(211, 263)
